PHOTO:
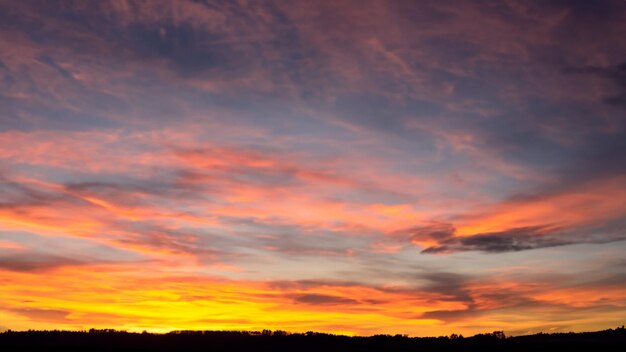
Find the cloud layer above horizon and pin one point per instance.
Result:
(352, 167)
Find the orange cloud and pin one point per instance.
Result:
(595, 201)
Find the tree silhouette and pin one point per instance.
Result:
(99, 340)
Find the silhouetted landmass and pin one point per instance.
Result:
(266, 340)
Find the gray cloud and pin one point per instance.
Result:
(35, 262)
(528, 238)
(555, 313)
(452, 315)
(615, 74)
(438, 231)
(449, 286)
(516, 239)
(15, 195)
(42, 314)
(318, 299)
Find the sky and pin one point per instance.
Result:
(352, 167)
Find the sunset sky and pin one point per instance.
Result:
(354, 167)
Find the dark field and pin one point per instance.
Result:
(110, 340)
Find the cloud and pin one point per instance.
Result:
(35, 262)
(452, 315)
(434, 231)
(518, 239)
(20, 194)
(37, 314)
(252, 166)
(318, 299)
(615, 74)
(558, 299)
(450, 286)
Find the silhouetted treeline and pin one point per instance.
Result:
(266, 340)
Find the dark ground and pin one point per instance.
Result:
(110, 340)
